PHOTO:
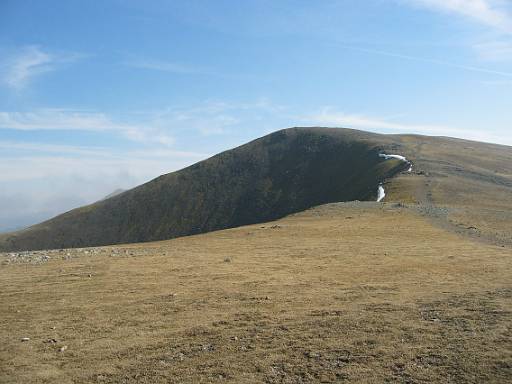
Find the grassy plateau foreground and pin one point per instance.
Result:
(340, 293)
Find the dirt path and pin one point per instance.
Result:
(461, 187)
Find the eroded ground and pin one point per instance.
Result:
(364, 293)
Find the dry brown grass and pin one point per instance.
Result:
(341, 293)
(471, 182)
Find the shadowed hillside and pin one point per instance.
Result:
(282, 173)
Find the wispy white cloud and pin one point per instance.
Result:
(331, 117)
(56, 119)
(180, 68)
(492, 13)
(165, 66)
(154, 127)
(29, 63)
(69, 120)
(495, 15)
(38, 149)
(328, 116)
(23, 160)
(32, 147)
(19, 67)
(506, 83)
(498, 50)
(209, 119)
(470, 68)
(214, 117)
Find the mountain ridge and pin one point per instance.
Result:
(463, 185)
(284, 172)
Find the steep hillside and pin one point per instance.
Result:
(282, 173)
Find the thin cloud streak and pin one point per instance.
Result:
(497, 83)
(36, 148)
(487, 12)
(16, 146)
(66, 120)
(177, 68)
(18, 69)
(167, 66)
(431, 61)
(496, 15)
(331, 117)
(143, 166)
(212, 118)
(494, 50)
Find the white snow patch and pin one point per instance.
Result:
(381, 194)
(398, 157)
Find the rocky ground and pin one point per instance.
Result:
(43, 256)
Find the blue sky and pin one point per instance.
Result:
(108, 94)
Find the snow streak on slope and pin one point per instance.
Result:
(380, 193)
(398, 157)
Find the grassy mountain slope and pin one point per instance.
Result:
(285, 172)
(465, 186)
